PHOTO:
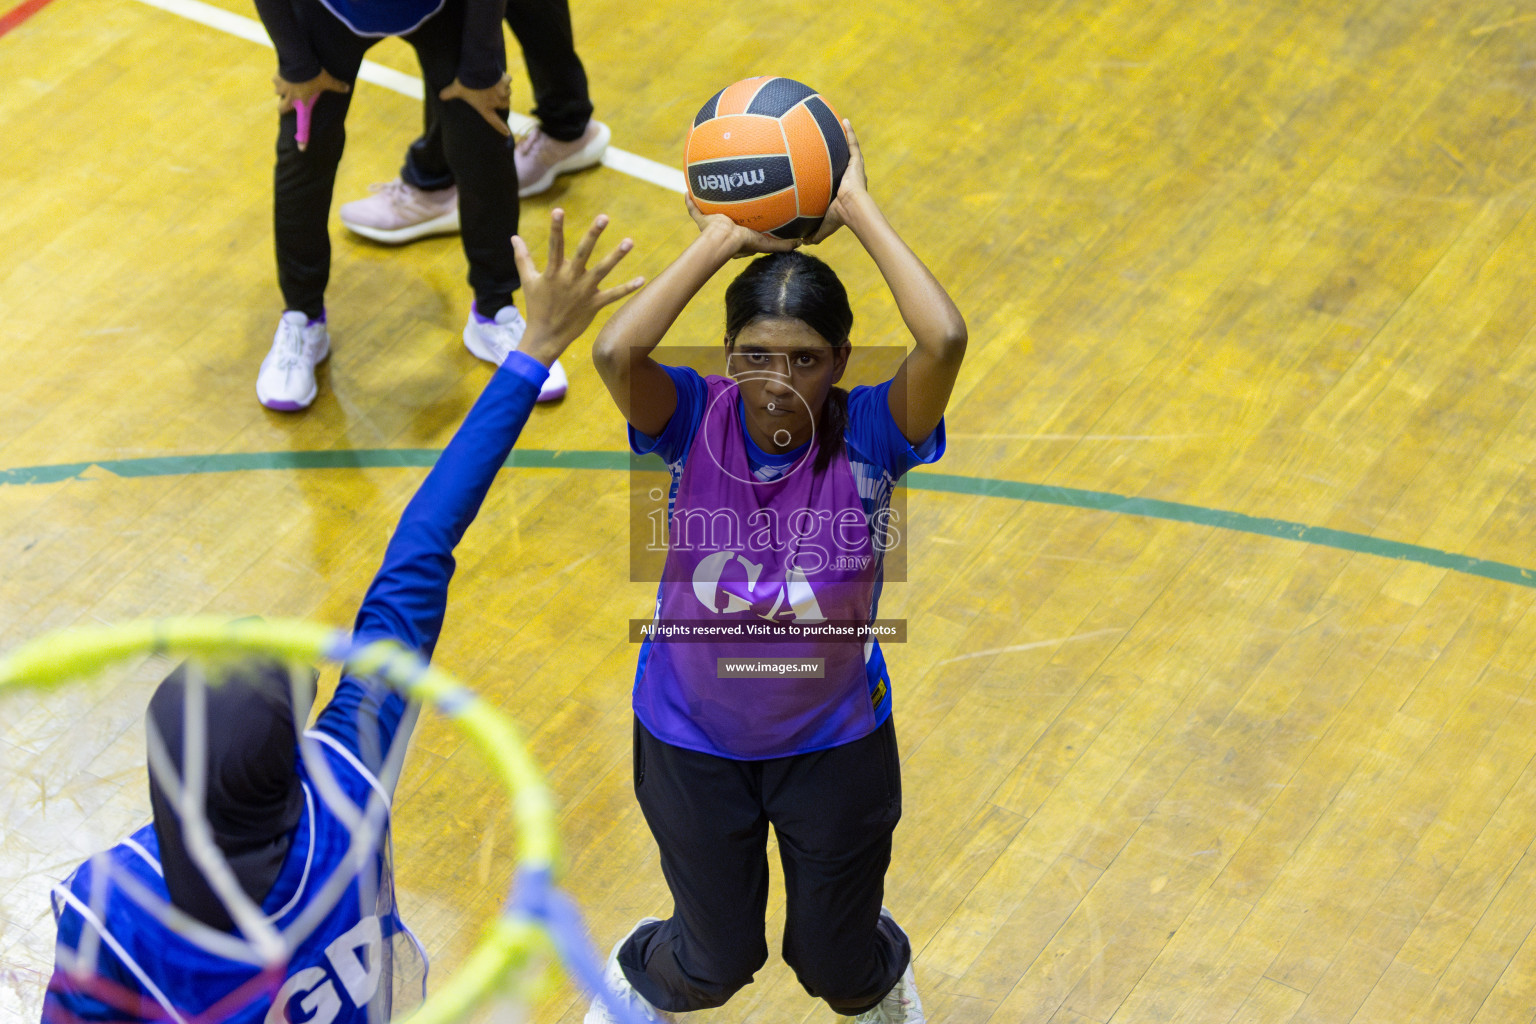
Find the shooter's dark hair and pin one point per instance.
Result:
(797, 286)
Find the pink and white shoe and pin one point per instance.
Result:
(398, 212)
(539, 158)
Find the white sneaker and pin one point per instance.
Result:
(900, 1005)
(493, 340)
(539, 158)
(623, 992)
(398, 213)
(286, 381)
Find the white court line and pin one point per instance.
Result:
(624, 162)
(1028, 647)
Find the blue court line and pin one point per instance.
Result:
(1013, 490)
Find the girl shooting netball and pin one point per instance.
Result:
(797, 473)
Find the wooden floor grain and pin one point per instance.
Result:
(1159, 765)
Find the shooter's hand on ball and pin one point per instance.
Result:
(290, 93)
(563, 299)
(748, 242)
(491, 103)
(852, 188)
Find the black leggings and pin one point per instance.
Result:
(833, 812)
(561, 102)
(303, 181)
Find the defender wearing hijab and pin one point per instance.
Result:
(254, 797)
(281, 842)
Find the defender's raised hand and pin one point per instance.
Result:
(563, 299)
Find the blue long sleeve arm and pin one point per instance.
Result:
(409, 597)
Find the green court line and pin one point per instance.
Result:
(238, 462)
(1014, 490)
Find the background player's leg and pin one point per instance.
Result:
(481, 163)
(834, 812)
(561, 101)
(422, 201)
(426, 166)
(566, 139)
(302, 182)
(706, 815)
(481, 160)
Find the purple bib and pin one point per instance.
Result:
(747, 557)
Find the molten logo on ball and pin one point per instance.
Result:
(727, 182)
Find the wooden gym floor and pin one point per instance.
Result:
(1218, 700)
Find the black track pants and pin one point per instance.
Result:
(482, 162)
(833, 811)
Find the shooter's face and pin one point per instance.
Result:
(785, 371)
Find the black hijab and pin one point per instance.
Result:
(253, 799)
